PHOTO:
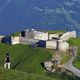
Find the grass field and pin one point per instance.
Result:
(56, 32)
(26, 64)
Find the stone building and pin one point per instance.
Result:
(31, 36)
(57, 45)
(53, 41)
(60, 43)
(1, 38)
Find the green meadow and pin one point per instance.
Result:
(26, 63)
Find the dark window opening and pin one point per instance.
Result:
(23, 34)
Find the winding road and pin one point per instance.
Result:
(69, 66)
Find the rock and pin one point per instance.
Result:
(48, 65)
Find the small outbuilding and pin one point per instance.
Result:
(60, 42)
(57, 45)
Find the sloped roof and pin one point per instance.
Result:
(68, 35)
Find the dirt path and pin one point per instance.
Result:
(69, 66)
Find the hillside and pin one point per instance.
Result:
(27, 60)
(18, 75)
(6, 74)
(23, 55)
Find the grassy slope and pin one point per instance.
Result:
(24, 58)
(6, 74)
(56, 32)
(76, 42)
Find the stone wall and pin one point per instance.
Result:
(15, 40)
(24, 40)
(51, 44)
(52, 36)
(41, 36)
(58, 45)
(68, 35)
(1, 37)
(73, 34)
(63, 46)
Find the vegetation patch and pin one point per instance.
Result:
(76, 62)
(15, 34)
(56, 32)
(76, 42)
